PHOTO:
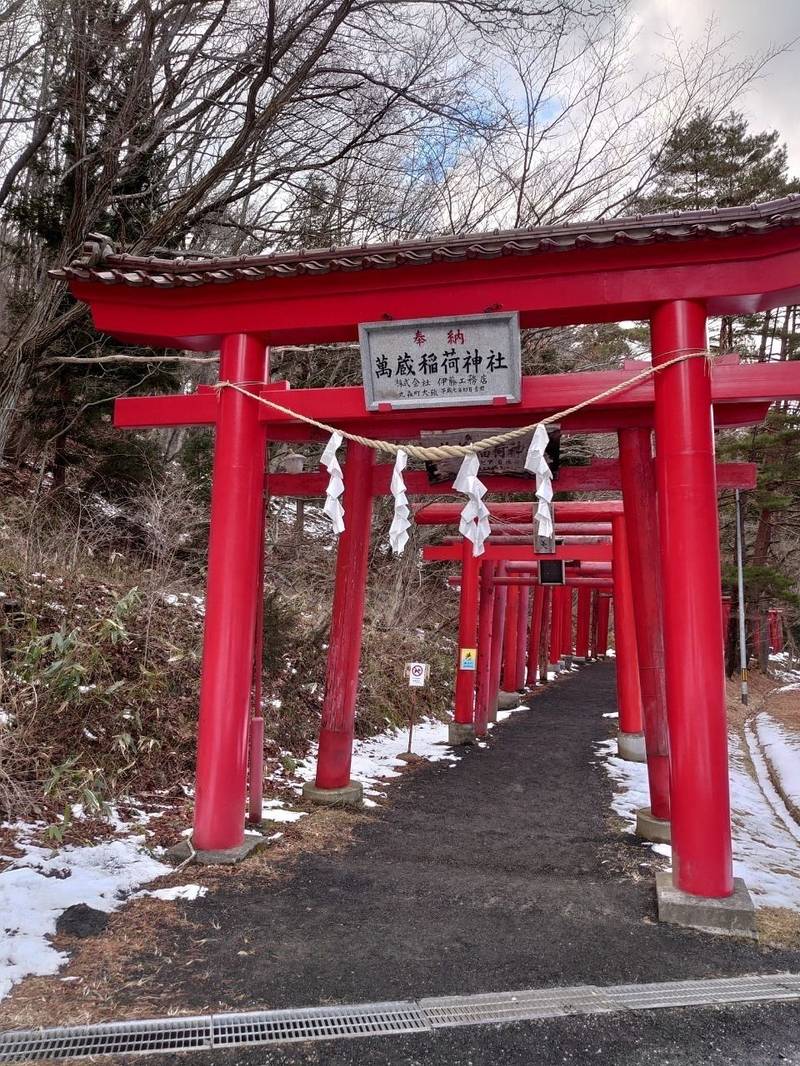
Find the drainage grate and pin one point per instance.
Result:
(317, 1023)
(709, 992)
(514, 1006)
(385, 1019)
(113, 1038)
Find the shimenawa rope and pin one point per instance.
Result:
(457, 451)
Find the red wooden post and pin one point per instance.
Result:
(510, 640)
(347, 617)
(726, 616)
(498, 630)
(631, 735)
(701, 831)
(583, 624)
(566, 622)
(462, 728)
(603, 610)
(537, 613)
(522, 633)
(544, 639)
(593, 628)
(255, 806)
(231, 597)
(778, 645)
(485, 622)
(641, 528)
(555, 628)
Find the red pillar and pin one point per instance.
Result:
(467, 636)
(726, 615)
(498, 630)
(628, 692)
(583, 623)
(510, 640)
(641, 526)
(778, 644)
(566, 622)
(522, 633)
(603, 609)
(537, 614)
(232, 595)
(690, 564)
(555, 626)
(485, 623)
(347, 618)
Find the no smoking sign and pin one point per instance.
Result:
(417, 674)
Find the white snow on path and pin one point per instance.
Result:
(781, 747)
(765, 852)
(376, 759)
(41, 884)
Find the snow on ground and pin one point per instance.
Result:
(781, 748)
(375, 759)
(40, 884)
(765, 848)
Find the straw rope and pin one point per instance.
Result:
(457, 451)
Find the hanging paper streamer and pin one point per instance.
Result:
(398, 537)
(333, 506)
(536, 462)
(474, 524)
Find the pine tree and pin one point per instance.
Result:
(722, 163)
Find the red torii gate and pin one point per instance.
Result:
(673, 270)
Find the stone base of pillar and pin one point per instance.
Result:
(579, 659)
(630, 747)
(459, 733)
(732, 916)
(656, 830)
(182, 851)
(351, 795)
(507, 700)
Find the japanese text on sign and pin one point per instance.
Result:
(438, 362)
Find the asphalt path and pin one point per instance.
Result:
(502, 872)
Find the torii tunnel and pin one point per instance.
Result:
(671, 270)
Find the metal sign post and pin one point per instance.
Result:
(417, 674)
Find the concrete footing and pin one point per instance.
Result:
(656, 830)
(507, 700)
(351, 795)
(732, 916)
(460, 733)
(182, 851)
(631, 747)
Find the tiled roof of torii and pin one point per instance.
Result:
(102, 263)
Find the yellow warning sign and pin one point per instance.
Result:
(469, 658)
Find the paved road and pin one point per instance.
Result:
(502, 872)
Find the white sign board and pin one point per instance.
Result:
(441, 362)
(417, 674)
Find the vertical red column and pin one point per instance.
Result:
(347, 618)
(544, 640)
(485, 625)
(537, 614)
(232, 595)
(498, 631)
(522, 633)
(583, 623)
(566, 622)
(603, 610)
(631, 736)
(462, 729)
(690, 565)
(510, 670)
(555, 627)
(641, 526)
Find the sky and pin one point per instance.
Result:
(774, 100)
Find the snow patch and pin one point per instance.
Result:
(41, 884)
(189, 892)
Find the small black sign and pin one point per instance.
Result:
(551, 572)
